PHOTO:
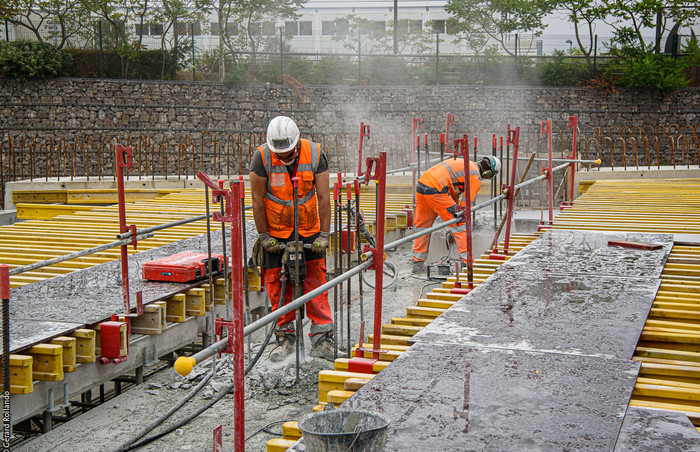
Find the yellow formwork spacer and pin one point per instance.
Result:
(194, 303)
(279, 444)
(254, 281)
(329, 380)
(68, 344)
(176, 311)
(338, 396)
(390, 339)
(290, 430)
(219, 290)
(152, 321)
(47, 362)
(420, 312)
(21, 381)
(400, 330)
(85, 345)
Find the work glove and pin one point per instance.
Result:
(269, 244)
(321, 242)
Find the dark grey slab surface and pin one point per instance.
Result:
(656, 430)
(581, 314)
(25, 332)
(588, 252)
(446, 397)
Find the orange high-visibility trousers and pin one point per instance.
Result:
(428, 207)
(318, 309)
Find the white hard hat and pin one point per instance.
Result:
(282, 134)
(494, 163)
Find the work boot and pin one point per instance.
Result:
(417, 267)
(286, 341)
(323, 346)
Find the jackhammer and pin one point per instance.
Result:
(392, 272)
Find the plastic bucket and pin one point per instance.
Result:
(341, 430)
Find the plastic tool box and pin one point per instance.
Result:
(182, 267)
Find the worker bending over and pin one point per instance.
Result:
(274, 164)
(437, 193)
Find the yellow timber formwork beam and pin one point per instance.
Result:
(51, 230)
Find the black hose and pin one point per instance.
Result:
(131, 445)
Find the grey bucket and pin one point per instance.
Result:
(343, 430)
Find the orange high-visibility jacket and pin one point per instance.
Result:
(279, 196)
(448, 174)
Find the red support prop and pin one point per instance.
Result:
(379, 175)
(512, 137)
(450, 120)
(219, 325)
(364, 133)
(5, 282)
(573, 123)
(123, 159)
(467, 211)
(237, 302)
(546, 129)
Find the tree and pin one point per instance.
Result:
(62, 19)
(168, 14)
(630, 17)
(478, 22)
(121, 15)
(250, 15)
(582, 14)
(412, 38)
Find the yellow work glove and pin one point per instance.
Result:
(321, 242)
(270, 244)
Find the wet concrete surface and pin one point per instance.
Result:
(26, 332)
(92, 295)
(657, 430)
(455, 397)
(580, 314)
(588, 252)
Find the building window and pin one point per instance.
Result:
(328, 28)
(141, 30)
(156, 29)
(181, 29)
(268, 28)
(379, 26)
(342, 28)
(415, 26)
(439, 25)
(452, 28)
(305, 28)
(291, 28)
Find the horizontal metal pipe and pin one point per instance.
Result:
(76, 254)
(543, 176)
(273, 316)
(126, 235)
(261, 322)
(543, 159)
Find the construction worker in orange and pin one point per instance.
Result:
(283, 156)
(437, 193)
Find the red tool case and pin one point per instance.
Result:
(182, 267)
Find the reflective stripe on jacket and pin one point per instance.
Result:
(279, 196)
(447, 175)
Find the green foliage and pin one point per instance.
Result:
(147, 65)
(659, 73)
(26, 60)
(563, 71)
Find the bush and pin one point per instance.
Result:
(28, 60)
(659, 73)
(147, 64)
(563, 71)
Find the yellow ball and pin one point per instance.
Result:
(184, 365)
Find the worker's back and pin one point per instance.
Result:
(447, 174)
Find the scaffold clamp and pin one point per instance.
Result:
(219, 325)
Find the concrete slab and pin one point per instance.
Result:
(588, 253)
(657, 430)
(574, 314)
(453, 397)
(25, 332)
